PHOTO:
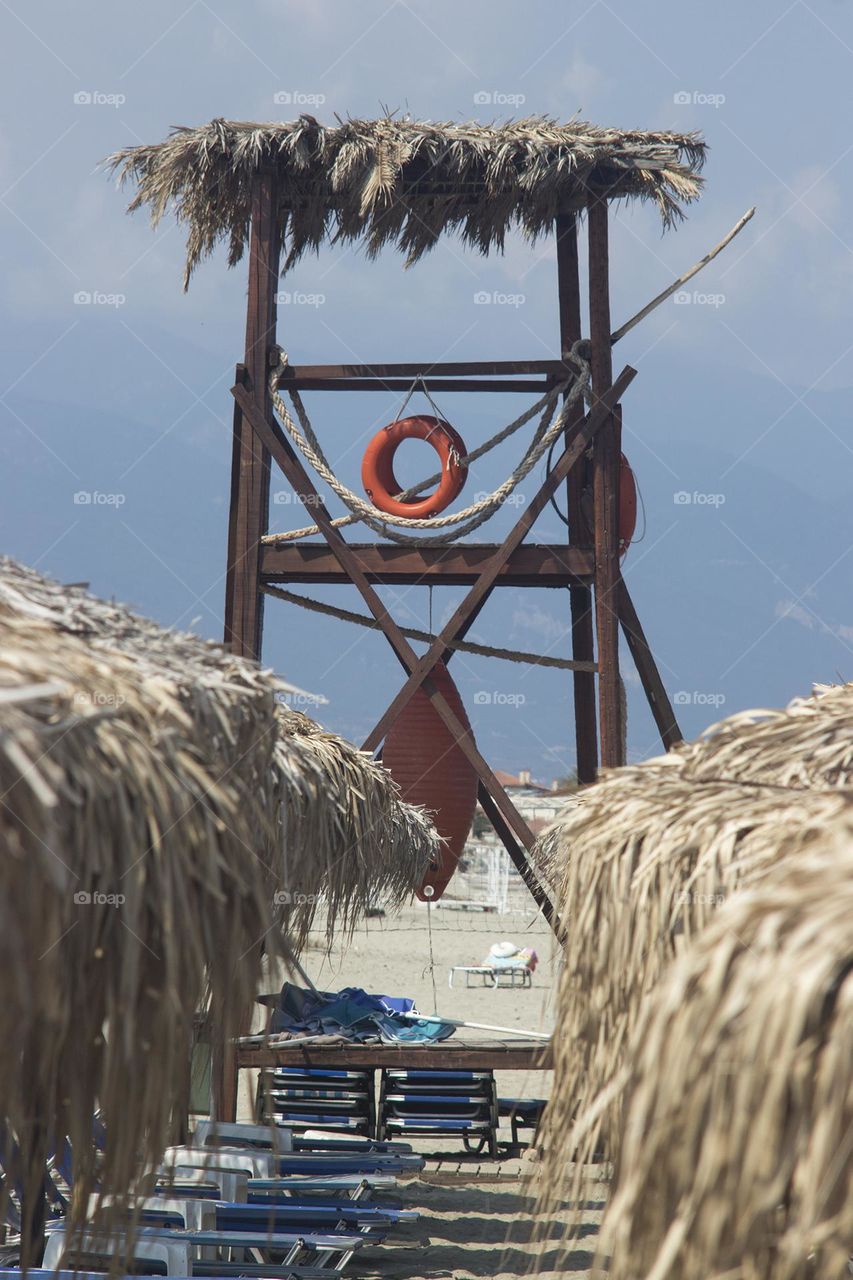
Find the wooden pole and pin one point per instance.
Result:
(250, 463)
(605, 496)
(661, 707)
(580, 597)
(248, 518)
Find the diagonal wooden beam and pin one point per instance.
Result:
(523, 865)
(659, 702)
(470, 607)
(273, 439)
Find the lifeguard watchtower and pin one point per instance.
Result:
(286, 188)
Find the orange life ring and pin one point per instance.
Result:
(377, 468)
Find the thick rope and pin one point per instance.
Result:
(471, 517)
(412, 633)
(342, 521)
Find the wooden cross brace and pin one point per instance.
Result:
(512, 828)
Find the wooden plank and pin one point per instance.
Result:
(580, 596)
(272, 436)
(250, 464)
(605, 497)
(456, 565)
(522, 385)
(659, 702)
(428, 369)
(448, 1055)
(470, 607)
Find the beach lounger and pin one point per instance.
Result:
(261, 1164)
(203, 1214)
(172, 1256)
(277, 1272)
(216, 1184)
(444, 1104)
(188, 1252)
(211, 1133)
(492, 976)
(370, 1157)
(522, 1113)
(308, 1097)
(265, 1137)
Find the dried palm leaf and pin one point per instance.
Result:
(156, 799)
(736, 1146)
(402, 182)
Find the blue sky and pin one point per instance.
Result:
(743, 394)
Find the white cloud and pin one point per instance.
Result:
(539, 622)
(796, 613)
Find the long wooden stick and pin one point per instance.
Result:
(688, 275)
(477, 1026)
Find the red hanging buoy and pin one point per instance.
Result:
(431, 769)
(627, 504)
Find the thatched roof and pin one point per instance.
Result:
(735, 1155)
(160, 778)
(402, 182)
(647, 856)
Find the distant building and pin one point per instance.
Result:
(537, 803)
(489, 877)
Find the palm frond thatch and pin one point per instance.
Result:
(400, 181)
(649, 854)
(736, 1151)
(155, 800)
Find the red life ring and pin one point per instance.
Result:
(377, 468)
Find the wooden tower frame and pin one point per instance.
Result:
(589, 565)
(403, 182)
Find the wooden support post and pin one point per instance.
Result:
(580, 597)
(250, 463)
(248, 518)
(605, 496)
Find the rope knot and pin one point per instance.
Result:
(282, 362)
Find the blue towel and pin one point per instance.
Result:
(353, 1013)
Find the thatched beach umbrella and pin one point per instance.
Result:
(735, 1155)
(158, 803)
(649, 854)
(402, 182)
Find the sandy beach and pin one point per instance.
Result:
(410, 953)
(477, 1214)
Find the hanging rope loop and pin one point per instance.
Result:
(455, 524)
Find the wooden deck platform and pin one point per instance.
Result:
(510, 1054)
